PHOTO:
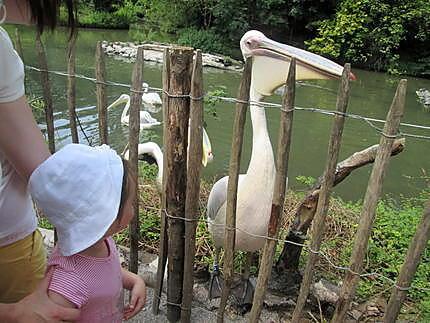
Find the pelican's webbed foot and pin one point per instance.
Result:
(215, 284)
(243, 292)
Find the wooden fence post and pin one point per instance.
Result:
(373, 193)
(234, 168)
(101, 93)
(284, 141)
(193, 183)
(409, 267)
(135, 103)
(47, 95)
(162, 254)
(326, 186)
(288, 262)
(176, 153)
(71, 87)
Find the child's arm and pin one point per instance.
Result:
(135, 284)
(60, 300)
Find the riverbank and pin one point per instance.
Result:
(375, 39)
(154, 52)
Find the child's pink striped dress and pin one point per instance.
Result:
(93, 284)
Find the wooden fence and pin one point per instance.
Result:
(183, 105)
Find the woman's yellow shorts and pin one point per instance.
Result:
(22, 266)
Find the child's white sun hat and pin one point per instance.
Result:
(79, 189)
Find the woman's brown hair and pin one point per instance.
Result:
(45, 13)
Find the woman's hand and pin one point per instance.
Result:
(38, 308)
(135, 284)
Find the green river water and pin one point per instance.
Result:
(371, 96)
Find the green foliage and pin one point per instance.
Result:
(212, 98)
(116, 15)
(394, 227)
(44, 223)
(147, 172)
(168, 16)
(206, 40)
(38, 107)
(378, 34)
(307, 180)
(372, 32)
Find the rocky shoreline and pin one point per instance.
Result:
(154, 53)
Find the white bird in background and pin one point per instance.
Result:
(271, 61)
(146, 120)
(151, 153)
(151, 100)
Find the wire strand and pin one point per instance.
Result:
(307, 247)
(369, 121)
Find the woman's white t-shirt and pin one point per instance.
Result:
(17, 216)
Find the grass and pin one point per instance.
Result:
(393, 229)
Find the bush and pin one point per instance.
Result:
(373, 32)
(206, 40)
(394, 227)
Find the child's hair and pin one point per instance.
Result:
(45, 13)
(124, 187)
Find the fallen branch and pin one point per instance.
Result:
(289, 258)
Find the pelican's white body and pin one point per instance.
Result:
(146, 121)
(255, 192)
(271, 61)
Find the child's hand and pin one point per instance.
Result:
(137, 297)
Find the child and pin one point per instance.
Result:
(87, 193)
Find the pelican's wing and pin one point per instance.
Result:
(218, 196)
(145, 117)
(151, 98)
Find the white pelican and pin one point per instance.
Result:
(154, 151)
(271, 61)
(146, 120)
(155, 154)
(151, 100)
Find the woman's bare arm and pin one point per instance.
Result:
(20, 138)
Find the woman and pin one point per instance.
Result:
(22, 149)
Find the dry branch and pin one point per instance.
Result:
(289, 258)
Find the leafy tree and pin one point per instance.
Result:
(372, 32)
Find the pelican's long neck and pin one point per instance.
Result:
(153, 150)
(262, 161)
(124, 115)
(159, 160)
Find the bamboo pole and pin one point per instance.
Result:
(373, 193)
(135, 103)
(71, 87)
(101, 93)
(284, 141)
(176, 153)
(47, 95)
(18, 44)
(193, 183)
(162, 257)
(326, 186)
(236, 152)
(409, 267)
